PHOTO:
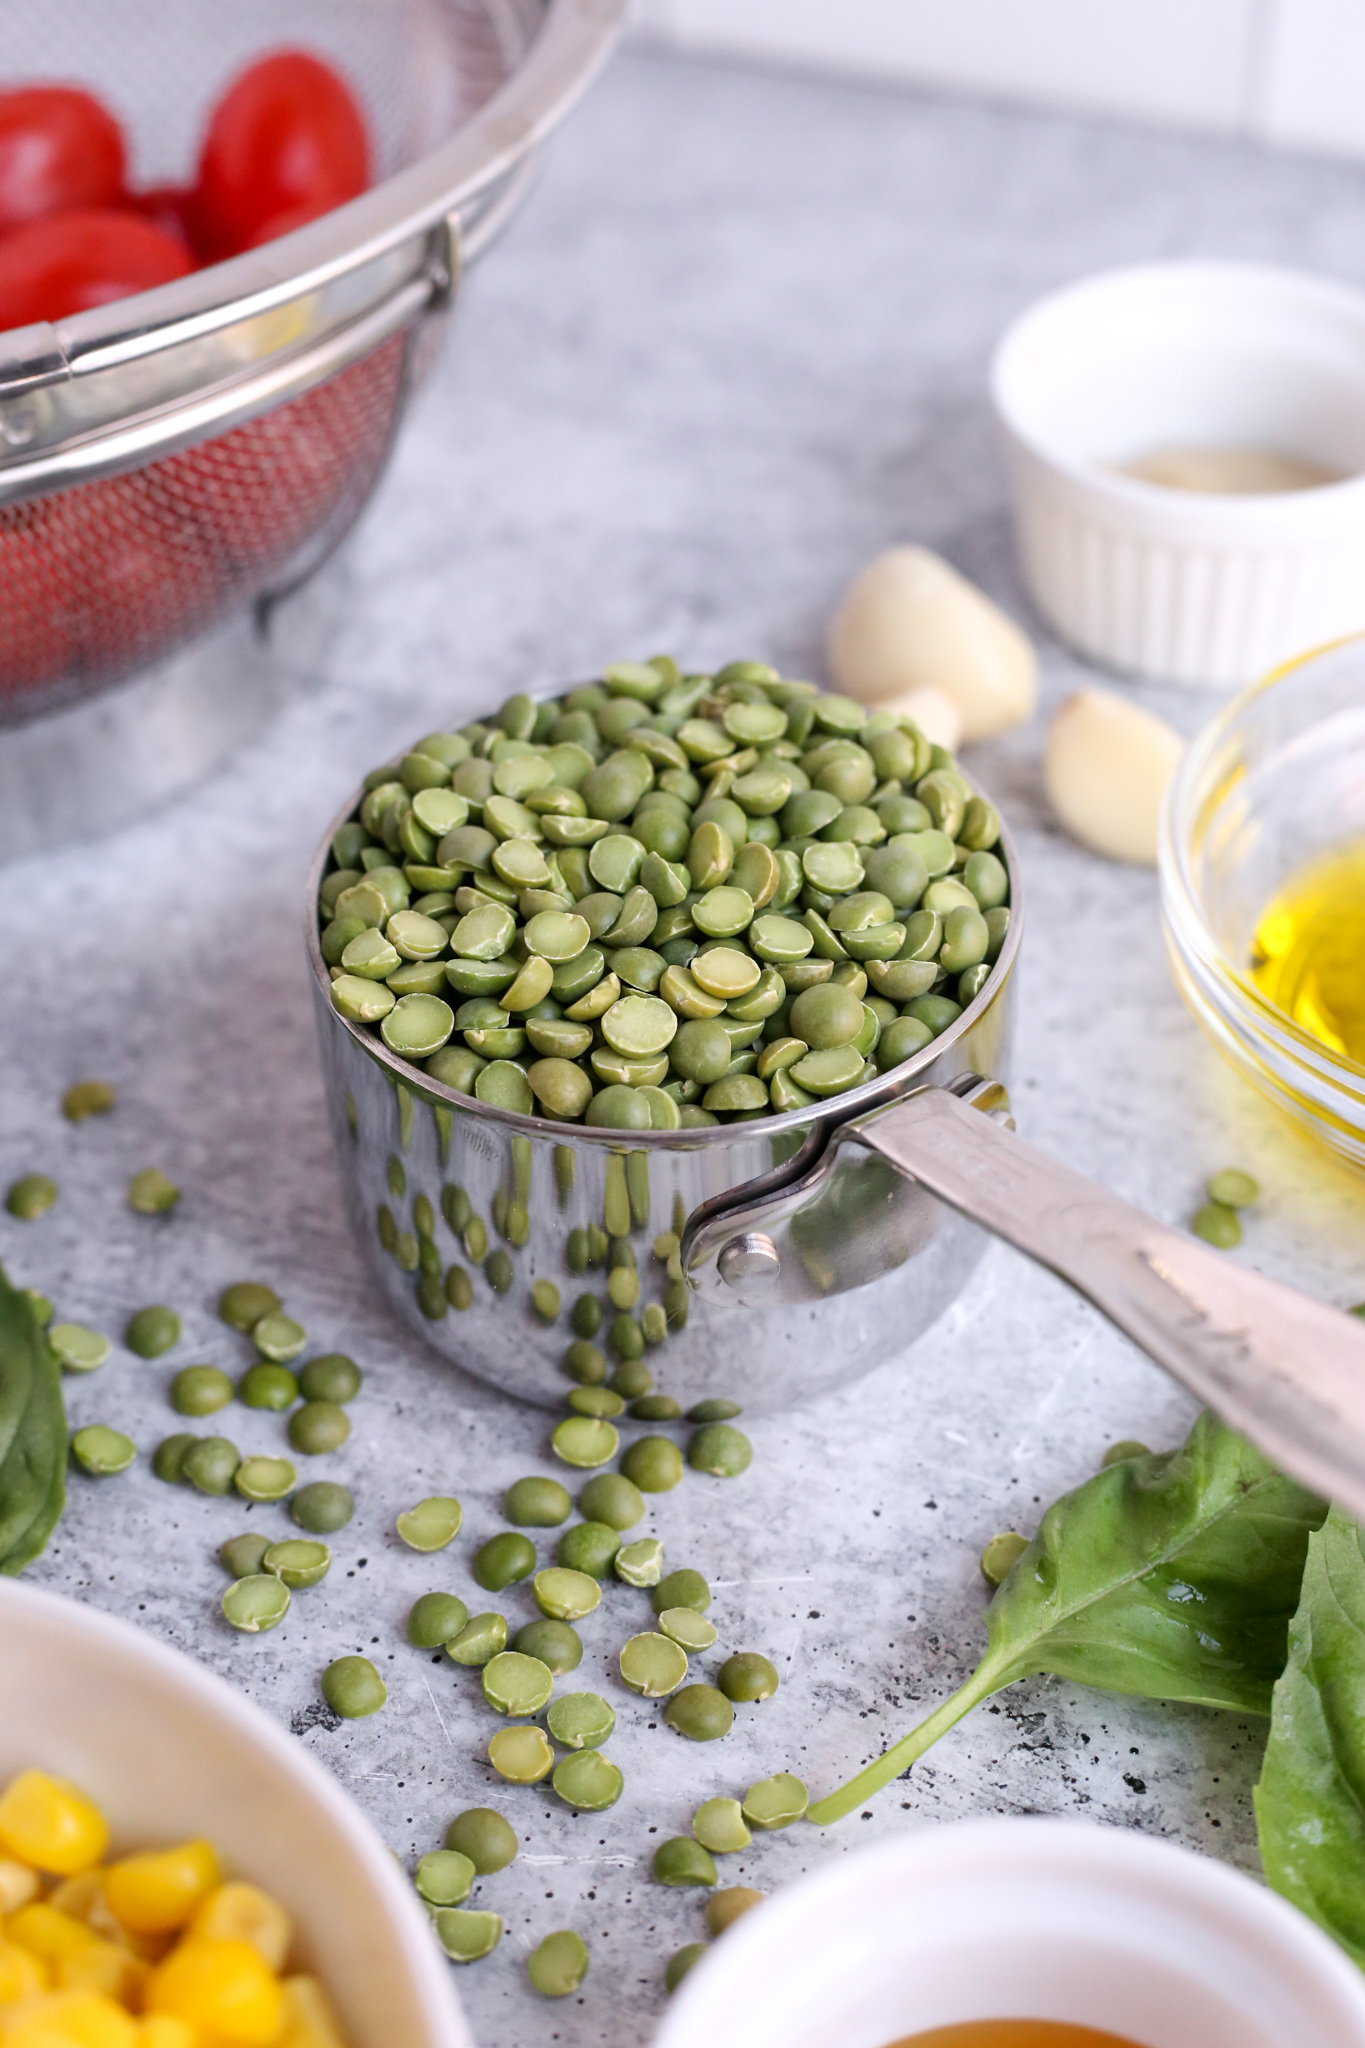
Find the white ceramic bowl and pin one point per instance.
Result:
(1187, 586)
(1021, 1919)
(168, 1751)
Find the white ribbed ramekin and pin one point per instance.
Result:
(1187, 586)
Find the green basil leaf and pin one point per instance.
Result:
(16, 1373)
(32, 1433)
(1310, 1803)
(1171, 1576)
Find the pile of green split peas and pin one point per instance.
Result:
(665, 900)
(518, 1674)
(479, 1843)
(263, 1570)
(518, 1671)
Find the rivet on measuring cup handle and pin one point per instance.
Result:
(750, 1256)
(993, 1101)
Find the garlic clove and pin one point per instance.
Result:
(910, 621)
(1105, 768)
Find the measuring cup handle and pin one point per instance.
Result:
(1286, 1371)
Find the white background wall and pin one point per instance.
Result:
(1281, 71)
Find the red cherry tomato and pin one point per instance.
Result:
(73, 261)
(287, 134)
(59, 148)
(285, 224)
(170, 208)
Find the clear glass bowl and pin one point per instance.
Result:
(1272, 783)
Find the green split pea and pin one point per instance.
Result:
(662, 901)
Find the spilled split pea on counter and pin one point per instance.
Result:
(664, 901)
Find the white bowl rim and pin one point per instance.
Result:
(1309, 288)
(214, 1696)
(1063, 1845)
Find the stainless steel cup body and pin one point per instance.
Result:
(813, 1245)
(880, 1257)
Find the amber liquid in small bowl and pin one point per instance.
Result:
(1012, 2034)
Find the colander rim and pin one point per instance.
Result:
(565, 54)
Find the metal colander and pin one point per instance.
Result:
(98, 580)
(178, 457)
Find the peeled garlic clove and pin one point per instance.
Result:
(910, 622)
(937, 717)
(1106, 767)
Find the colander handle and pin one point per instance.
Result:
(1286, 1371)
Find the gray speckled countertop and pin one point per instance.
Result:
(736, 344)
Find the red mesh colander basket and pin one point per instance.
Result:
(99, 580)
(183, 455)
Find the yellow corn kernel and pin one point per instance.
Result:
(309, 2019)
(18, 1884)
(78, 1897)
(159, 1890)
(21, 1974)
(160, 2030)
(149, 1948)
(222, 1987)
(48, 1823)
(242, 1912)
(82, 1898)
(67, 2019)
(46, 1933)
(104, 1966)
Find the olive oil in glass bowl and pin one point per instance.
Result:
(1262, 864)
(1308, 956)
